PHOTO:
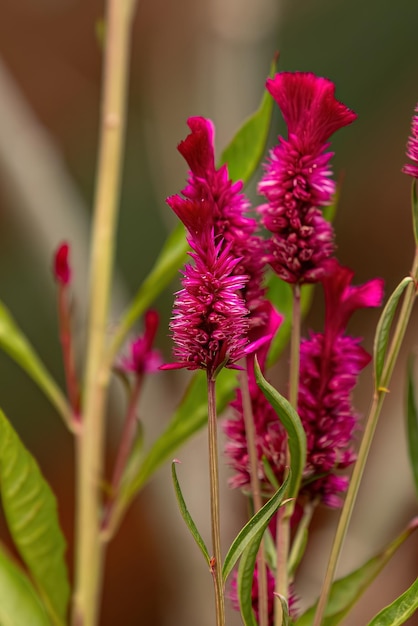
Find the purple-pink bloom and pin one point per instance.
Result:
(297, 180)
(210, 320)
(142, 357)
(330, 363)
(229, 210)
(412, 148)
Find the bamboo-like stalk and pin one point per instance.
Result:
(89, 551)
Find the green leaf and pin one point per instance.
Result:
(190, 416)
(281, 296)
(400, 610)
(346, 591)
(253, 529)
(245, 583)
(172, 256)
(187, 517)
(245, 151)
(412, 425)
(383, 329)
(19, 603)
(31, 513)
(414, 202)
(291, 422)
(15, 344)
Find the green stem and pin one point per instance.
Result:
(216, 564)
(89, 552)
(256, 494)
(285, 512)
(371, 423)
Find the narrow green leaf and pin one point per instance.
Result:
(187, 517)
(245, 151)
(245, 583)
(291, 422)
(414, 202)
(346, 591)
(253, 529)
(31, 514)
(19, 603)
(280, 295)
(383, 329)
(400, 610)
(15, 344)
(172, 256)
(412, 425)
(190, 416)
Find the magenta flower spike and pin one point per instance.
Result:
(142, 357)
(229, 209)
(412, 148)
(297, 180)
(329, 367)
(211, 316)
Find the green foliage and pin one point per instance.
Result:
(187, 517)
(19, 603)
(383, 329)
(399, 610)
(291, 422)
(15, 344)
(31, 514)
(253, 530)
(346, 591)
(412, 425)
(247, 147)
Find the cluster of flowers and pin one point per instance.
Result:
(221, 313)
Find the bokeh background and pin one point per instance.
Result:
(208, 58)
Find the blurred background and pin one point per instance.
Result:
(206, 58)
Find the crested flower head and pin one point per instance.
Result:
(412, 148)
(330, 363)
(297, 180)
(212, 190)
(142, 357)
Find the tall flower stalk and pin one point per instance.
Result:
(89, 550)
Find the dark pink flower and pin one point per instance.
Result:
(412, 148)
(211, 188)
(142, 357)
(330, 363)
(62, 270)
(297, 180)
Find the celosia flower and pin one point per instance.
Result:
(229, 211)
(142, 357)
(297, 180)
(412, 148)
(329, 367)
(61, 268)
(233, 596)
(210, 320)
